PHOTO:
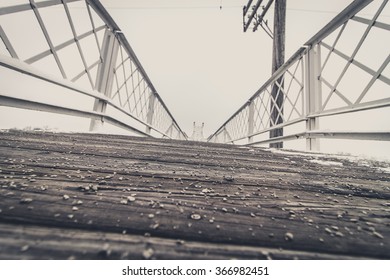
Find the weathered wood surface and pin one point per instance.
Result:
(89, 196)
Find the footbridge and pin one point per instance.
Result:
(153, 193)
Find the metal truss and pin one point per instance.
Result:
(108, 70)
(314, 86)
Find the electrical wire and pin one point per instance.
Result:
(204, 7)
(211, 7)
(173, 7)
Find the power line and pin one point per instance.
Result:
(215, 7)
(202, 7)
(314, 11)
(174, 7)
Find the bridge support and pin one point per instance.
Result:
(251, 121)
(168, 132)
(313, 95)
(149, 116)
(105, 75)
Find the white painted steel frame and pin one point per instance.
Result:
(45, 107)
(238, 127)
(86, 68)
(46, 53)
(23, 68)
(8, 44)
(143, 107)
(99, 9)
(47, 37)
(27, 7)
(105, 75)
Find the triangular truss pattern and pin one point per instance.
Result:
(365, 42)
(342, 69)
(91, 56)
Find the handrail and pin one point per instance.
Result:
(304, 80)
(143, 103)
(297, 55)
(99, 8)
(351, 10)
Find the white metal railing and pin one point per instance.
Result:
(92, 57)
(318, 81)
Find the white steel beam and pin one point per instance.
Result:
(376, 104)
(340, 19)
(27, 7)
(313, 93)
(333, 46)
(94, 29)
(29, 70)
(106, 63)
(312, 86)
(363, 67)
(105, 74)
(105, 16)
(8, 44)
(39, 106)
(378, 24)
(359, 135)
(251, 120)
(82, 73)
(356, 50)
(150, 113)
(124, 75)
(352, 135)
(286, 124)
(37, 57)
(48, 40)
(77, 42)
(376, 76)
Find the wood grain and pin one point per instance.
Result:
(70, 195)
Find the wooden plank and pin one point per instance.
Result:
(37, 242)
(197, 192)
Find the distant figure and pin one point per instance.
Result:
(197, 134)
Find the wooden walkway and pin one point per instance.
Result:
(86, 196)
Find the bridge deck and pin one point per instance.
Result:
(88, 196)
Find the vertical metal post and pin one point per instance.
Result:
(150, 113)
(171, 131)
(178, 136)
(226, 135)
(105, 74)
(313, 94)
(251, 121)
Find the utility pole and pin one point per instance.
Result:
(278, 54)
